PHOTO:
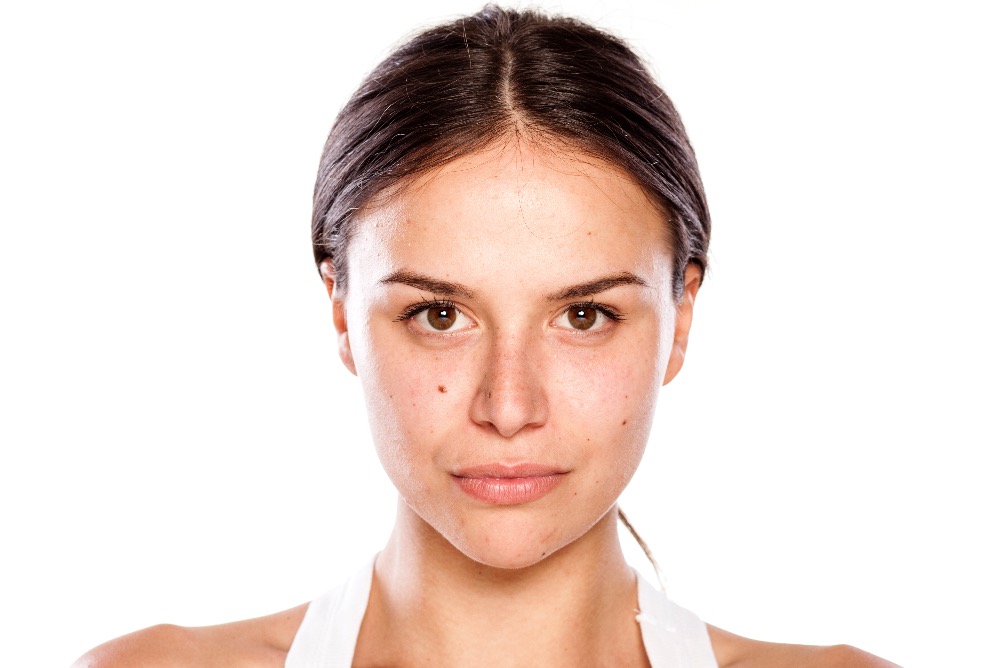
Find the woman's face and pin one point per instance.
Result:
(510, 318)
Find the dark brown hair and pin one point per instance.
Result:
(458, 87)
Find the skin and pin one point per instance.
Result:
(513, 307)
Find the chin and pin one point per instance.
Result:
(506, 559)
(505, 537)
(512, 542)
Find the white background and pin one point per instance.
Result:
(180, 442)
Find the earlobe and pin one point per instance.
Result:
(329, 275)
(343, 338)
(682, 326)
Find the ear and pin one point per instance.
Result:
(682, 325)
(329, 273)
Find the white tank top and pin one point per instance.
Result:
(672, 636)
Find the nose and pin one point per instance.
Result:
(511, 396)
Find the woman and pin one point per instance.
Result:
(511, 226)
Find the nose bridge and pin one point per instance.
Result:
(512, 391)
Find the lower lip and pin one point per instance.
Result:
(509, 491)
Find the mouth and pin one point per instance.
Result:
(502, 485)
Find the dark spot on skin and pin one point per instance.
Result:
(624, 422)
(442, 389)
(544, 553)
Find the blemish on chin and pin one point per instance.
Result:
(624, 422)
(442, 389)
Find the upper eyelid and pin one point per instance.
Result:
(415, 309)
(607, 310)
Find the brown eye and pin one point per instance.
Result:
(582, 317)
(587, 317)
(442, 317)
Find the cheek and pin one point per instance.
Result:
(413, 401)
(609, 400)
(621, 380)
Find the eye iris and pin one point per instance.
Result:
(442, 318)
(583, 317)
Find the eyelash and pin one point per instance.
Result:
(417, 309)
(610, 313)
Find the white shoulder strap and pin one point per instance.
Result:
(329, 630)
(672, 636)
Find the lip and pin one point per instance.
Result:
(504, 485)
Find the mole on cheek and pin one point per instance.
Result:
(442, 389)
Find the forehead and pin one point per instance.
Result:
(546, 213)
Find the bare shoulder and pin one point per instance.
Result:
(733, 651)
(259, 642)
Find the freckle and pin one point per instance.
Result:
(544, 553)
(623, 422)
(442, 389)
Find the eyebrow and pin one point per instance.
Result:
(597, 285)
(422, 282)
(447, 288)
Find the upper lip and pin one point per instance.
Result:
(498, 470)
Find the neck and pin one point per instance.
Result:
(571, 606)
